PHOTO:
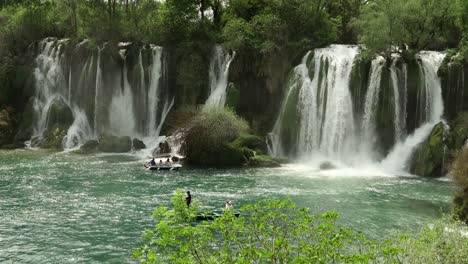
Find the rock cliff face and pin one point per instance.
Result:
(260, 80)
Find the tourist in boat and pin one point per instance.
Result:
(229, 205)
(152, 162)
(168, 161)
(188, 199)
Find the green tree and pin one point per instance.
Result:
(270, 231)
(271, 26)
(343, 12)
(420, 24)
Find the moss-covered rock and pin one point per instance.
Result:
(114, 144)
(453, 72)
(252, 142)
(60, 114)
(290, 116)
(428, 158)
(53, 137)
(89, 146)
(263, 161)
(59, 119)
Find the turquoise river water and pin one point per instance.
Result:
(69, 208)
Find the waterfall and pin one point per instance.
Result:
(324, 107)
(121, 112)
(316, 118)
(399, 82)
(153, 97)
(120, 97)
(369, 139)
(79, 132)
(50, 82)
(429, 64)
(219, 72)
(97, 93)
(300, 77)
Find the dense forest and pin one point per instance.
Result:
(267, 31)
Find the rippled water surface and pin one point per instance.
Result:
(68, 208)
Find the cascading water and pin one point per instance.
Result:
(318, 97)
(399, 84)
(101, 89)
(369, 139)
(333, 132)
(219, 72)
(121, 111)
(429, 63)
(50, 82)
(97, 93)
(153, 97)
(300, 78)
(326, 120)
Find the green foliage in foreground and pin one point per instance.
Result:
(459, 174)
(276, 231)
(446, 242)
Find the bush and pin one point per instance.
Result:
(458, 131)
(459, 174)
(443, 242)
(206, 141)
(271, 231)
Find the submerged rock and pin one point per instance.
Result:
(53, 137)
(428, 158)
(327, 165)
(90, 145)
(115, 144)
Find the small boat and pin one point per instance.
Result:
(163, 167)
(213, 215)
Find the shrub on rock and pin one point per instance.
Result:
(207, 139)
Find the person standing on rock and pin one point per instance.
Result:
(188, 199)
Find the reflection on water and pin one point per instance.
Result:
(61, 207)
